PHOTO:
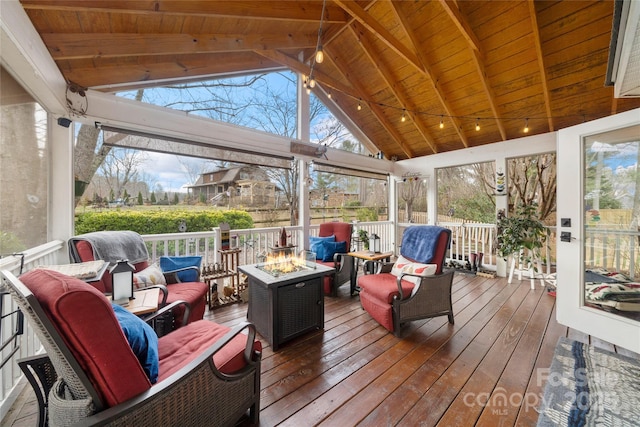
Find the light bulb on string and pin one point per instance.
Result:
(441, 123)
(403, 118)
(319, 55)
(477, 125)
(359, 106)
(526, 125)
(329, 95)
(312, 82)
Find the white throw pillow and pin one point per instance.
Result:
(151, 275)
(403, 265)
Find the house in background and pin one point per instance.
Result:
(237, 186)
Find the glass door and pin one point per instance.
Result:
(598, 261)
(611, 190)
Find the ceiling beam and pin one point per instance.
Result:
(379, 31)
(344, 118)
(106, 45)
(395, 88)
(302, 68)
(476, 52)
(273, 10)
(452, 10)
(543, 71)
(374, 107)
(429, 74)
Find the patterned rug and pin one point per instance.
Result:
(588, 386)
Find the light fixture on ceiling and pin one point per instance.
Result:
(319, 51)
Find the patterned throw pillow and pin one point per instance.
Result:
(403, 265)
(151, 275)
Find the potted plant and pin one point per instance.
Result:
(522, 235)
(363, 235)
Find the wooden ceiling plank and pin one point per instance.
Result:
(105, 45)
(374, 107)
(543, 71)
(380, 32)
(273, 10)
(456, 16)
(397, 90)
(460, 21)
(432, 79)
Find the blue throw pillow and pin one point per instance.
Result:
(142, 339)
(332, 248)
(315, 245)
(171, 263)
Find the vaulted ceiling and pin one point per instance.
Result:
(447, 66)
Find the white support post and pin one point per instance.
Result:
(61, 182)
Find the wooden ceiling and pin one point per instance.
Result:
(495, 63)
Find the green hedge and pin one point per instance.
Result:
(160, 221)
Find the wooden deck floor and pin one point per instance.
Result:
(488, 369)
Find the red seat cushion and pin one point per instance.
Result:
(179, 348)
(85, 320)
(195, 293)
(384, 286)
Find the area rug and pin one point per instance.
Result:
(588, 386)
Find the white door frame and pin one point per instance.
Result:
(571, 310)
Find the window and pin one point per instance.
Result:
(24, 163)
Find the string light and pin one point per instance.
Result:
(404, 118)
(312, 82)
(459, 117)
(319, 55)
(329, 95)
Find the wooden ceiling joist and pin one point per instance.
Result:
(105, 45)
(543, 71)
(474, 44)
(395, 88)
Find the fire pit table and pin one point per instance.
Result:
(285, 305)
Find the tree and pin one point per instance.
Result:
(176, 200)
(120, 167)
(411, 188)
(140, 199)
(153, 198)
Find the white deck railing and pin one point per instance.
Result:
(466, 238)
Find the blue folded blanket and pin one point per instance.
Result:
(419, 242)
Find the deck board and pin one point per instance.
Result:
(354, 372)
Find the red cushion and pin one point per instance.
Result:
(76, 309)
(377, 309)
(195, 293)
(384, 286)
(179, 348)
(342, 231)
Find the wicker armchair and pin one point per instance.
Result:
(341, 262)
(413, 288)
(131, 246)
(213, 381)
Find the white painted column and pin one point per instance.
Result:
(61, 182)
(303, 133)
(502, 203)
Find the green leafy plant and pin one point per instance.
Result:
(522, 234)
(363, 235)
